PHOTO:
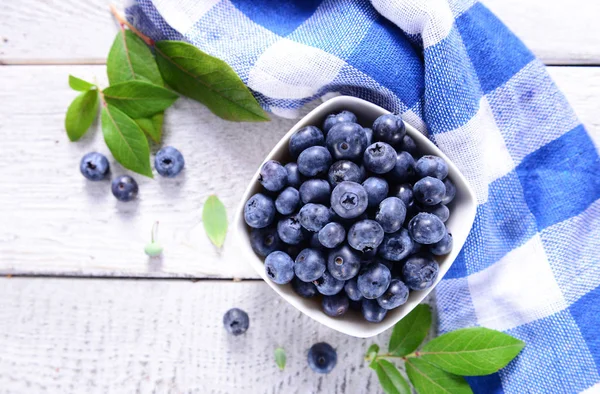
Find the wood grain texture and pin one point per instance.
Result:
(128, 336)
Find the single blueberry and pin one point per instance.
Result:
(420, 271)
(450, 191)
(394, 296)
(315, 190)
(429, 191)
(377, 190)
(314, 161)
(236, 321)
(344, 170)
(365, 235)
(304, 289)
(264, 240)
(351, 289)
(396, 246)
(343, 263)
(94, 166)
(305, 138)
(433, 166)
(426, 228)
(279, 267)
(332, 235)
(349, 200)
(309, 265)
(314, 217)
(259, 211)
(369, 133)
(391, 214)
(124, 188)
(169, 162)
(439, 210)
(336, 305)
(332, 119)
(287, 201)
(290, 230)
(404, 192)
(371, 311)
(328, 285)
(273, 176)
(346, 141)
(404, 169)
(389, 128)
(294, 178)
(322, 358)
(374, 280)
(443, 246)
(408, 145)
(380, 158)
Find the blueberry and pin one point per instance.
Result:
(396, 246)
(315, 190)
(294, 178)
(349, 200)
(394, 296)
(429, 191)
(377, 190)
(322, 357)
(443, 246)
(404, 192)
(94, 166)
(290, 230)
(391, 214)
(404, 169)
(369, 133)
(332, 235)
(287, 201)
(259, 211)
(426, 228)
(450, 191)
(351, 289)
(310, 265)
(439, 210)
(124, 188)
(279, 266)
(314, 161)
(380, 158)
(273, 176)
(169, 162)
(389, 128)
(328, 285)
(304, 289)
(420, 271)
(332, 119)
(314, 217)
(343, 263)
(236, 321)
(264, 240)
(345, 170)
(336, 305)
(374, 280)
(408, 145)
(433, 166)
(305, 138)
(346, 141)
(365, 235)
(371, 311)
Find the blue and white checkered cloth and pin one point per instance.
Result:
(531, 264)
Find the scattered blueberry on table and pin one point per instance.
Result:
(124, 188)
(169, 162)
(236, 321)
(94, 166)
(322, 358)
(354, 220)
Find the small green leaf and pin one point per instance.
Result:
(371, 355)
(126, 141)
(428, 379)
(79, 84)
(280, 358)
(214, 218)
(410, 332)
(472, 351)
(81, 114)
(153, 249)
(139, 99)
(130, 59)
(390, 378)
(152, 126)
(208, 80)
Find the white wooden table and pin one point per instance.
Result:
(73, 316)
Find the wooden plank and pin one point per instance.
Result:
(126, 336)
(52, 32)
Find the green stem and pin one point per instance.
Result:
(123, 22)
(392, 356)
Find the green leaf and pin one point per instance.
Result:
(280, 358)
(79, 84)
(428, 379)
(81, 114)
(214, 218)
(139, 99)
(126, 141)
(152, 126)
(390, 379)
(472, 351)
(208, 80)
(410, 332)
(130, 59)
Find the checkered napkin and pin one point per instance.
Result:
(531, 264)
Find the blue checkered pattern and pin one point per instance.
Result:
(531, 264)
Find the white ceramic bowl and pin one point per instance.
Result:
(462, 214)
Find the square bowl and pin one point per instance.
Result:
(462, 210)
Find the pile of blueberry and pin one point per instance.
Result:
(94, 166)
(357, 217)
